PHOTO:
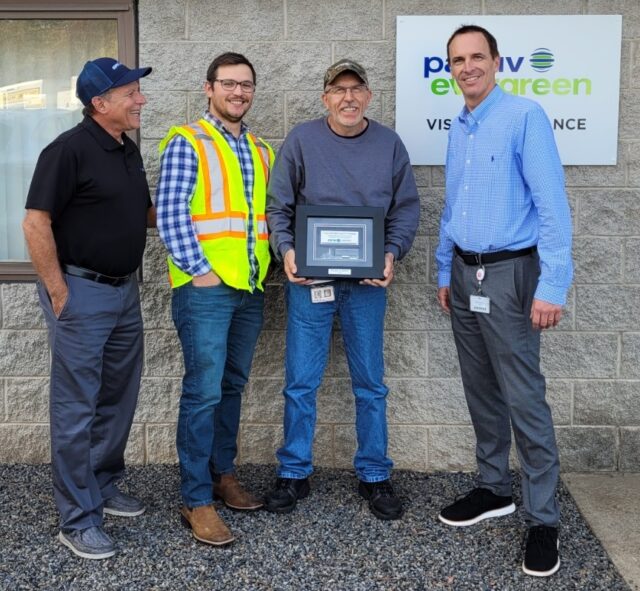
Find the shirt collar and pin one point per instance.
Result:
(102, 136)
(472, 118)
(217, 123)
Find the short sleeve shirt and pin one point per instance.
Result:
(96, 190)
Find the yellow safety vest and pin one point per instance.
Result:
(219, 208)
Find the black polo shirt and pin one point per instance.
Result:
(97, 194)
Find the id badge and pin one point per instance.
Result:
(321, 294)
(481, 304)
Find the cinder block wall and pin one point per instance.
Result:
(591, 360)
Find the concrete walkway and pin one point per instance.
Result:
(610, 503)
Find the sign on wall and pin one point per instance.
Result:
(568, 64)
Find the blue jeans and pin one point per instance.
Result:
(218, 328)
(361, 311)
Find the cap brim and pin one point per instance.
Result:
(342, 70)
(132, 76)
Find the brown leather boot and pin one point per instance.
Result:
(206, 525)
(234, 496)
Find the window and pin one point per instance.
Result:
(43, 46)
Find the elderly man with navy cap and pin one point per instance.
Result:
(88, 208)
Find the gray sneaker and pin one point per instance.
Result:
(92, 543)
(123, 505)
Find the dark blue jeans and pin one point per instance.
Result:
(361, 310)
(218, 328)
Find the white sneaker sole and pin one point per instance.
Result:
(486, 515)
(539, 573)
(123, 513)
(63, 539)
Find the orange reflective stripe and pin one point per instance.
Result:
(216, 198)
(225, 178)
(261, 149)
(216, 182)
(263, 229)
(198, 217)
(240, 235)
(202, 156)
(211, 130)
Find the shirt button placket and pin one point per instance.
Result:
(466, 187)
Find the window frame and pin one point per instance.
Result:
(122, 11)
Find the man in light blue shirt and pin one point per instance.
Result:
(504, 268)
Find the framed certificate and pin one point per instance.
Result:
(340, 242)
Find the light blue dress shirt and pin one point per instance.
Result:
(505, 190)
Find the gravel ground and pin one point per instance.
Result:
(331, 542)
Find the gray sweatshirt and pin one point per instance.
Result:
(315, 166)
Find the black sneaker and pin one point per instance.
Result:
(383, 502)
(541, 553)
(479, 504)
(283, 498)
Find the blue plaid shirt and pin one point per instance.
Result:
(178, 175)
(505, 190)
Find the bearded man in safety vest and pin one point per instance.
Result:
(211, 203)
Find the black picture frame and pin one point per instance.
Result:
(339, 242)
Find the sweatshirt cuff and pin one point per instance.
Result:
(394, 250)
(284, 247)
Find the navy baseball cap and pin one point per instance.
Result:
(103, 74)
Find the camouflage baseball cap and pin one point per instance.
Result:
(345, 65)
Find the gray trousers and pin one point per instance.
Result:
(499, 357)
(96, 364)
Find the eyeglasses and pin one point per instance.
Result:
(341, 91)
(229, 85)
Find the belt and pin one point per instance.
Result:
(478, 258)
(93, 276)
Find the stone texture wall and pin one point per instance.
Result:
(591, 360)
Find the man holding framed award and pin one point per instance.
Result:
(342, 206)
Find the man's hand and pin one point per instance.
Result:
(209, 279)
(59, 299)
(290, 268)
(443, 299)
(388, 273)
(545, 315)
(151, 217)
